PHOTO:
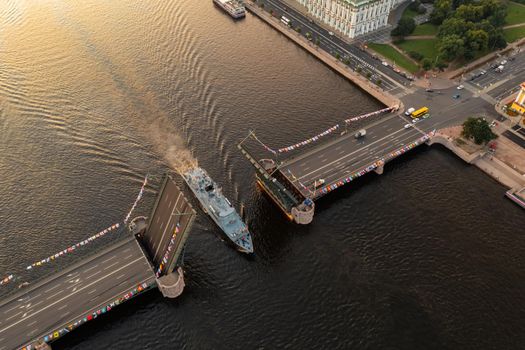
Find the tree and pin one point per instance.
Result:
(452, 26)
(442, 9)
(308, 35)
(379, 82)
(317, 41)
(405, 27)
(298, 29)
(368, 75)
(337, 55)
(476, 40)
(451, 47)
(478, 129)
(414, 6)
(426, 63)
(441, 65)
(346, 61)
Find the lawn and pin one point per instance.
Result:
(425, 29)
(513, 34)
(515, 13)
(426, 47)
(393, 55)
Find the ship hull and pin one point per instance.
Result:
(232, 15)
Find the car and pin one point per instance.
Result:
(384, 63)
(408, 126)
(493, 124)
(330, 33)
(429, 90)
(482, 72)
(456, 96)
(494, 65)
(504, 62)
(460, 87)
(409, 111)
(415, 120)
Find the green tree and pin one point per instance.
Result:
(451, 47)
(308, 35)
(470, 13)
(317, 41)
(298, 29)
(476, 40)
(346, 61)
(379, 82)
(442, 9)
(452, 26)
(478, 129)
(337, 55)
(368, 75)
(405, 27)
(415, 55)
(441, 65)
(426, 63)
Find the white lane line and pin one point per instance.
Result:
(110, 258)
(18, 313)
(50, 289)
(119, 277)
(107, 267)
(92, 291)
(33, 332)
(51, 296)
(69, 295)
(62, 307)
(169, 219)
(349, 154)
(91, 268)
(89, 277)
(11, 309)
(129, 256)
(32, 323)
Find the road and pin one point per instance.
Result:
(64, 298)
(391, 80)
(345, 155)
(172, 208)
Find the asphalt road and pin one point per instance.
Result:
(337, 159)
(68, 296)
(332, 44)
(172, 208)
(512, 69)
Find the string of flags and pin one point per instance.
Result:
(6, 279)
(73, 247)
(374, 165)
(310, 140)
(168, 250)
(137, 199)
(324, 133)
(384, 110)
(93, 315)
(262, 144)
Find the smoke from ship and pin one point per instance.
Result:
(170, 145)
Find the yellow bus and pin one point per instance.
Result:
(420, 112)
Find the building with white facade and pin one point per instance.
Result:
(351, 17)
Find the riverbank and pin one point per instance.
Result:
(336, 65)
(506, 165)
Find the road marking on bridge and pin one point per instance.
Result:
(108, 259)
(18, 313)
(167, 224)
(32, 323)
(49, 297)
(69, 295)
(92, 291)
(110, 266)
(62, 307)
(91, 268)
(119, 277)
(349, 154)
(50, 289)
(89, 277)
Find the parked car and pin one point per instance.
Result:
(456, 96)
(409, 111)
(482, 72)
(408, 126)
(415, 120)
(330, 33)
(504, 62)
(460, 87)
(384, 63)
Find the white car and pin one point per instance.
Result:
(384, 63)
(504, 62)
(330, 33)
(408, 126)
(415, 120)
(409, 111)
(460, 87)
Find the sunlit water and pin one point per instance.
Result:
(96, 94)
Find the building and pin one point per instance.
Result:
(519, 103)
(351, 17)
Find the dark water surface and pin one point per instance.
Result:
(429, 255)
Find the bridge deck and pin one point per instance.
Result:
(64, 298)
(345, 155)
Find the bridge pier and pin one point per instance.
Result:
(172, 285)
(379, 170)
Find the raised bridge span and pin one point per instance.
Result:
(45, 310)
(333, 158)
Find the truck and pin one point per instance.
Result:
(360, 133)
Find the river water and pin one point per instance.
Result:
(96, 94)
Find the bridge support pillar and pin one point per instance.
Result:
(379, 170)
(42, 345)
(172, 285)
